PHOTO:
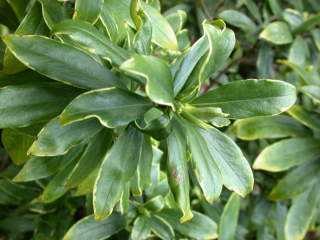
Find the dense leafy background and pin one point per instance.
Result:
(80, 143)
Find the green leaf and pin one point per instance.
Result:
(88, 10)
(277, 33)
(16, 144)
(188, 63)
(239, 20)
(53, 12)
(205, 167)
(199, 227)
(121, 9)
(89, 228)
(94, 153)
(31, 24)
(221, 41)
(19, 193)
(42, 167)
(177, 170)
(312, 91)
(117, 169)
(296, 181)
(161, 228)
(250, 98)
(299, 52)
(57, 186)
(145, 163)
(308, 76)
(204, 113)
(309, 119)
(141, 228)
(143, 39)
(162, 33)
(259, 128)
(24, 105)
(287, 153)
(307, 24)
(234, 168)
(113, 107)
(55, 139)
(229, 218)
(157, 126)
(114, 26)
(301, 213)
(156, 73)
(92, 40)
(44, 56)
(265, 62)
(177, 20)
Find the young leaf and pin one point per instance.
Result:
(117, 168)
(75, 68)
(221, 43)
(177, 170)
(24, 105)
(89, 228)
(113, 107)
(277, 33)
(162, 33)
(229, 218)
(259, 128)
(88, 10)
(188, 63)
(287, 153)
(55, 139)
(156, 73)
(250, 98)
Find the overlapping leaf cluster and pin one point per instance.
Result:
(116, 111)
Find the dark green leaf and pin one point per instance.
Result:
(113, 107)
(24, 105)
(55, 139)
(117, 169)
(44, 55)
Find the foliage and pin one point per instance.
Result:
(124, 119)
